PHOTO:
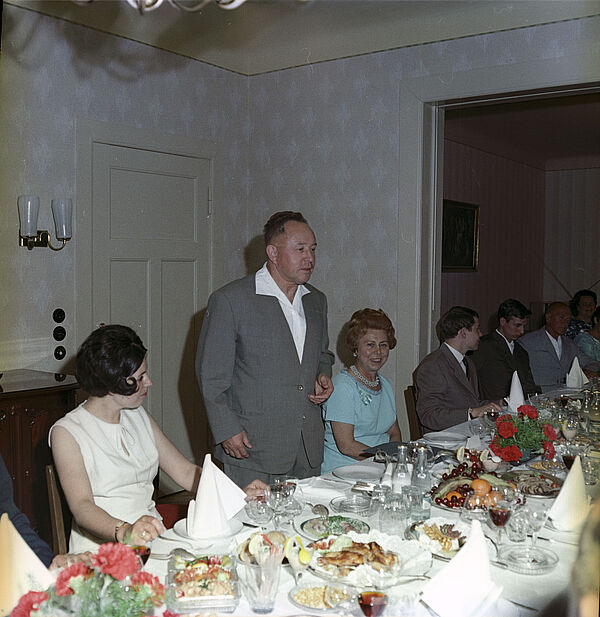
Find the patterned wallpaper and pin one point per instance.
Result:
(322, 139)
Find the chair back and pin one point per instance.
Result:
(60, 515)
(414, 425)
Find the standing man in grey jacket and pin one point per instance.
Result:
(263, 361)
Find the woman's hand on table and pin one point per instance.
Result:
(256, 487)
(144, 530)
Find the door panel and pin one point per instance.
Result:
(151, 240)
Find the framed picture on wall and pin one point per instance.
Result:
(460, 237)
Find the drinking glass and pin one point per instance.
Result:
(500, 513)
(260, 583)
(372, 603)
(570, 426)
(378, 496)
(517, 526)
(258, 510)
(393, 514)
(536, 515)
(474, 508)
(279, 497)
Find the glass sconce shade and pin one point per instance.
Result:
(29, 208)
(62, 209)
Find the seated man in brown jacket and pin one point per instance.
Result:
(446, 380)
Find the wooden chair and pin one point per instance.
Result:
(414, 425)
(60, 515)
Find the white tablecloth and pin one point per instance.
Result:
(522, 595)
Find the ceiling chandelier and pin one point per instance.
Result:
(191, 6)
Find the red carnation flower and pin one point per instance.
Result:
(527, 410)
(507, 429)
(156, 588)
(31, 601)
(504, 418)
(495, 446)
(549, 432)
(168, 613)
(63, 581)
(512, 453)
(116, 560)
(549, 451)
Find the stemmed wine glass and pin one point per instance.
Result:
(258, 510)
(570, 426)
(279, 497)
(536, 518)
(372, 603)
(499, 513)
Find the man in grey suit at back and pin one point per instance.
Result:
(551, 353)
(263, 362)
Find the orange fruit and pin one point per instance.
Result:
(453, 493)
(476, 501)
(481, 487)
(494, 497)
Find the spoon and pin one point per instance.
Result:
(320, 510)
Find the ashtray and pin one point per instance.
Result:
(351, 502)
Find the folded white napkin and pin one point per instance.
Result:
(571, 506)
(576, 378)
(515, 398)
(218, 500)
(20, 568)
(386, 478)
(474, 443)
(466, 579)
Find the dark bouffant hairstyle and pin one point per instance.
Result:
(106, 360)
(512, 308)
(276, 224)
(455, 319)
(577, 297)
(369, 319)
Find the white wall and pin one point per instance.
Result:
(338, 140)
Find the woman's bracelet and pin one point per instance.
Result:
(117, 527)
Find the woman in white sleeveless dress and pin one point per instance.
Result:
(108, 450)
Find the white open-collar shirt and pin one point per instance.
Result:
(293, 312)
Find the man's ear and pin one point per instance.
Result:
(503, 322)
(272, 252)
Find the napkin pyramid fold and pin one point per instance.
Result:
(515, 398)
(472, 593)
(20, 568)
(218, 500)
(571, 506)
(576, 378)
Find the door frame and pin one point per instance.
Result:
(89, 132)
(420, 175)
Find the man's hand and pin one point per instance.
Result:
(255, 488)
(323, 389)
(60, 561)
(477, 412)
(236, 446)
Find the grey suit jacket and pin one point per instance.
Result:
(548, 371)
(444, 394)
(251, 379)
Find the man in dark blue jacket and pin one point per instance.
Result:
(19, 520)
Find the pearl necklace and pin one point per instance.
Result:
(363, 379)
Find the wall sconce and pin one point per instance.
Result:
(30, 236)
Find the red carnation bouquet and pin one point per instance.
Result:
(515, 437)
(113, 586)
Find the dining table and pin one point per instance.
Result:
(521, 595)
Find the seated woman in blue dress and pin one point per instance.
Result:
(361, 412)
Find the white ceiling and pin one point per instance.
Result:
(268, 35)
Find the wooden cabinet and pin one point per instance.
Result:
(30, 403)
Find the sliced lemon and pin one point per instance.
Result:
(460, 454)
(256, 543)
(485, 454)
(288, 547)
(303, 555)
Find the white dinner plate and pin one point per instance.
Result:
(354, 473)
(445, 438)
(180, 529)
